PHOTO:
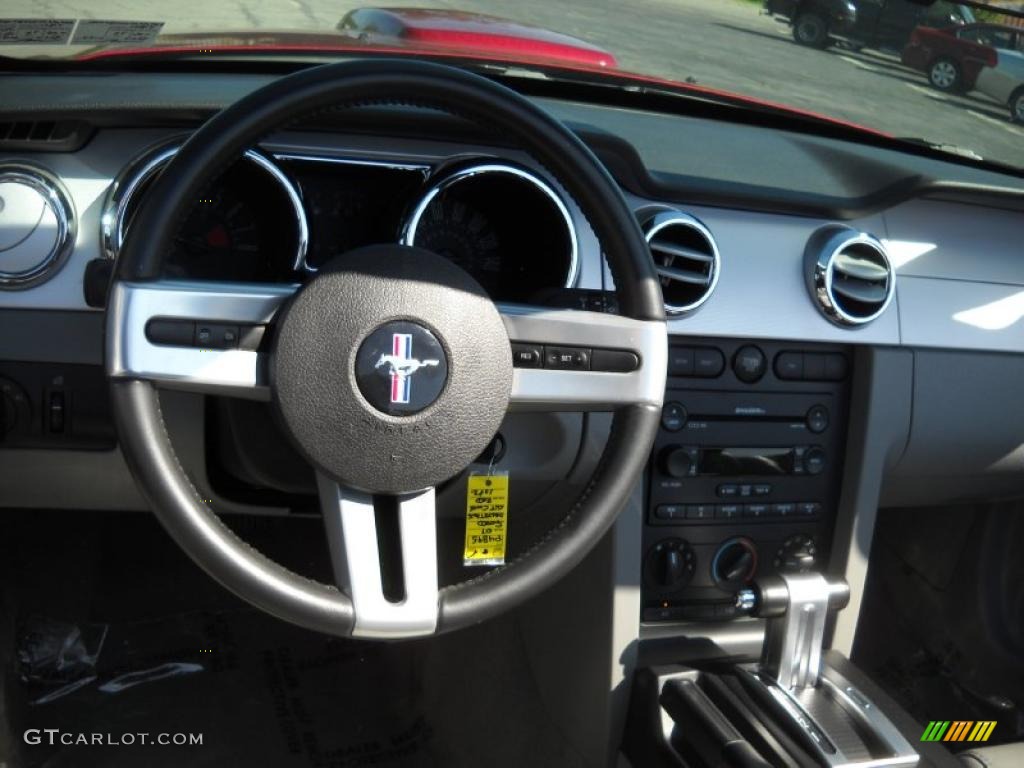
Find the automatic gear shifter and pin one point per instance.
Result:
(834, 721)
(796, 607)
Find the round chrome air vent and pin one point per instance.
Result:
(37, 225)
(686, 258)
(849, 274)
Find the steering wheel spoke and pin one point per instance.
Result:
(351, 522)
(194, 335)
(583, 389)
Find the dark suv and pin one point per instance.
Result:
(875, 23)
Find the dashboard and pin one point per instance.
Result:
(846, 323)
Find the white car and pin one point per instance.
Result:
(1005, 82)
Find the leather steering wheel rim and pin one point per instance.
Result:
(208, 152)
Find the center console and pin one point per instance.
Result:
(745, 474)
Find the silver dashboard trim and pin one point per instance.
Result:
(410, 226)
(50, 188)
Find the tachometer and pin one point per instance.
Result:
(249, 225)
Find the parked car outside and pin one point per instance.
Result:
(952, 57)
(1005, 82)
(859, 23)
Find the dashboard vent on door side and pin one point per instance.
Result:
(685, 257)
(44, 135)
(849, 274)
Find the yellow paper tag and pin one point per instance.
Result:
(486, 519)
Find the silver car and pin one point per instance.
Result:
(1005, 82)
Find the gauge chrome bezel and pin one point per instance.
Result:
(445, 179)
(127, 185)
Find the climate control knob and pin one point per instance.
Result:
(797, 554)
(735, 563)
(669, 565)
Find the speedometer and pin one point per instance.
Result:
(501, 223)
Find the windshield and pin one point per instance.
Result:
(937, 72)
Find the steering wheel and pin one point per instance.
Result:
(333, 349)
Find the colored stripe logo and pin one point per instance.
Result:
(401, 348)
(958, 730)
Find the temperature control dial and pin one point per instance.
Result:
(735, 563)
(797, 554)
(670, 565)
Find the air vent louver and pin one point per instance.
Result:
(849, 275)
(43, 135)
(686, 258)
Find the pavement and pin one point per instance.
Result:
(724, 44)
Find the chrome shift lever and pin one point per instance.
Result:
(796, 606)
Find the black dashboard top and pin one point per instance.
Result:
(783, 171)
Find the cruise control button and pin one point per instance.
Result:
(614, 361)
(567, 358)
(527, 355)
(673, 417)
(216, 336)
(178, 333)
(708, 363)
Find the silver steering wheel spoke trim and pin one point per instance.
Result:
(350, 522)
(242, 372)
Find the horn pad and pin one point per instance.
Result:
(391, 369)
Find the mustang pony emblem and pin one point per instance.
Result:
(402, 365)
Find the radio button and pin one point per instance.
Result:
(749, 364)
(784, 509)
(729, 511)
(670, 512)
(755, 510)
(789, 365)
(679, 462)
(762, 489)
(700, 511)
(728, 490)
(814, 366)
(680, 361)
(808, 508)
(835, 366)
(673, 417)
(814, 461)
(708, 363)
(817, 419)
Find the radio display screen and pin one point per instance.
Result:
(732, 462)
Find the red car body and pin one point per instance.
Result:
(961, 45)
(471, 33)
